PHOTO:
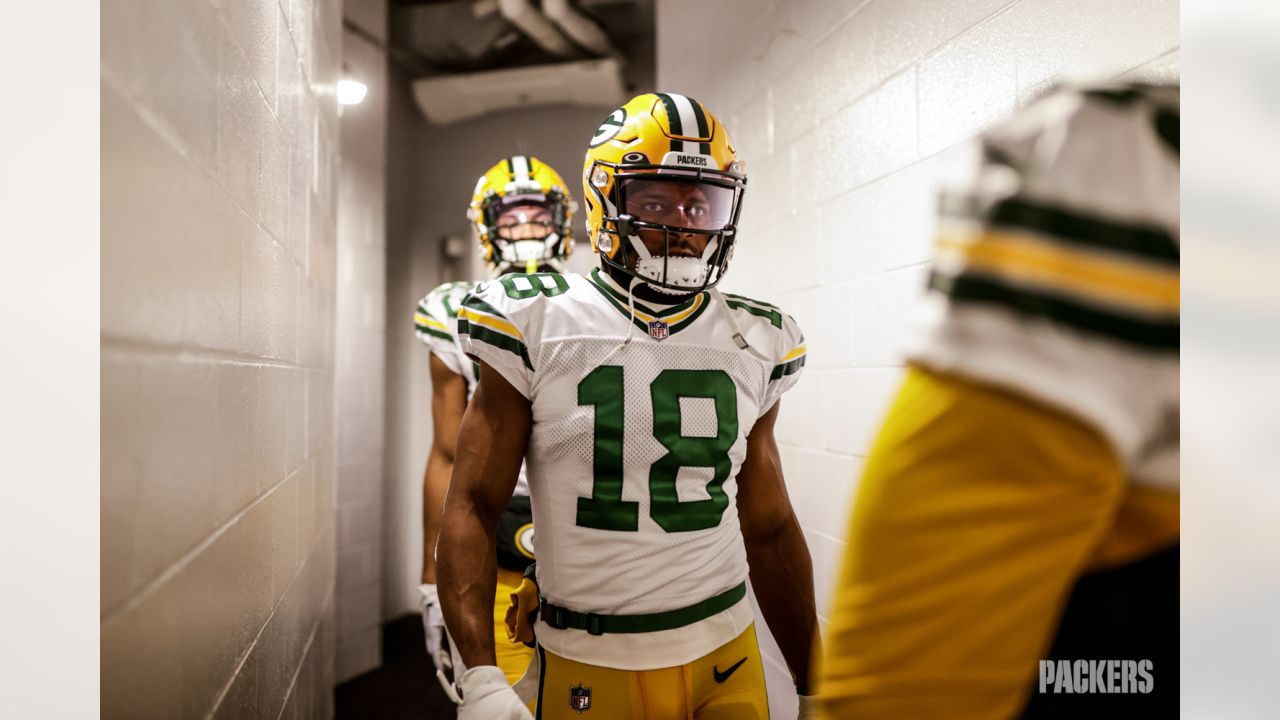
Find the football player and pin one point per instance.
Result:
(644, 401)
(1035, 437)
(520, 214)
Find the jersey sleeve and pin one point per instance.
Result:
(489, 330)
(433, 324)
(1070, 217)
(789, 361)
(1056, 266)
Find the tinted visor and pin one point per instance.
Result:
(678, 203)
(523, 217)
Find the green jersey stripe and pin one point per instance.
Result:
(496, 339)
(753, 301)
(1161, 335)
(474, 303)
(775, 317)
(1070, 228)
(433, 332)
(604, 286)
(693, 316)
(787, 368)
(621, 307)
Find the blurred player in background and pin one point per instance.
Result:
(520, 213)
(1035, 438)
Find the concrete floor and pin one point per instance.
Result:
(404, 688)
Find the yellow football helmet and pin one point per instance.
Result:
(521, 212)
(662, 163)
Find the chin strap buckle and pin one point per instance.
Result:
(625, 227)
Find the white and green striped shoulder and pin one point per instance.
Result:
(434, 316)
(763, 310)
(485, 319)
(773, 328)
(500, 320)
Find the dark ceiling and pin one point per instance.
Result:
(432, 37)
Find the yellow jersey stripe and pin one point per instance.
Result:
(793, 354)
(1021, 257)
(429, 321)
(697, 303)
(493, 323)
(673, 319)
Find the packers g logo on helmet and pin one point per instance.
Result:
(524, 540)
(663, 165)
(521, 214)
(611, 126)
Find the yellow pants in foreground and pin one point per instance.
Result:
(726, 684)
(975, 514)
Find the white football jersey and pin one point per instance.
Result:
(639, 430)
(1057, 268)
(436, 324)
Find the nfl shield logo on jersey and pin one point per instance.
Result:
(658, 330)
(580, 698)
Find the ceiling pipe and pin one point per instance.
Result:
(581, 29)
(526, 16)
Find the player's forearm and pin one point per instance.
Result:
(467, 582)
(782, 578)
(435, 486)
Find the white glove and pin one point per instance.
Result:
(486, 695)
(433, 627)
(808, 708)
(527, 686)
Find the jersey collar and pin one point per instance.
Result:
(677, 317)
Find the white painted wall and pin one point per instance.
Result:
(360, 337)
(848, 114)
(218, 262)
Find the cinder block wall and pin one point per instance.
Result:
(219, 141)
(849, 113)
(361, 336)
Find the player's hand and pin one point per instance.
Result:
(433, 627)
(808, 708)
(486, 695)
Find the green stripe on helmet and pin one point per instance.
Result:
(673, 120)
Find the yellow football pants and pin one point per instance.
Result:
(513, 657)
(726, 684)
(976, 512)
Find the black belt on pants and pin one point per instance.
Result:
(563, 618)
